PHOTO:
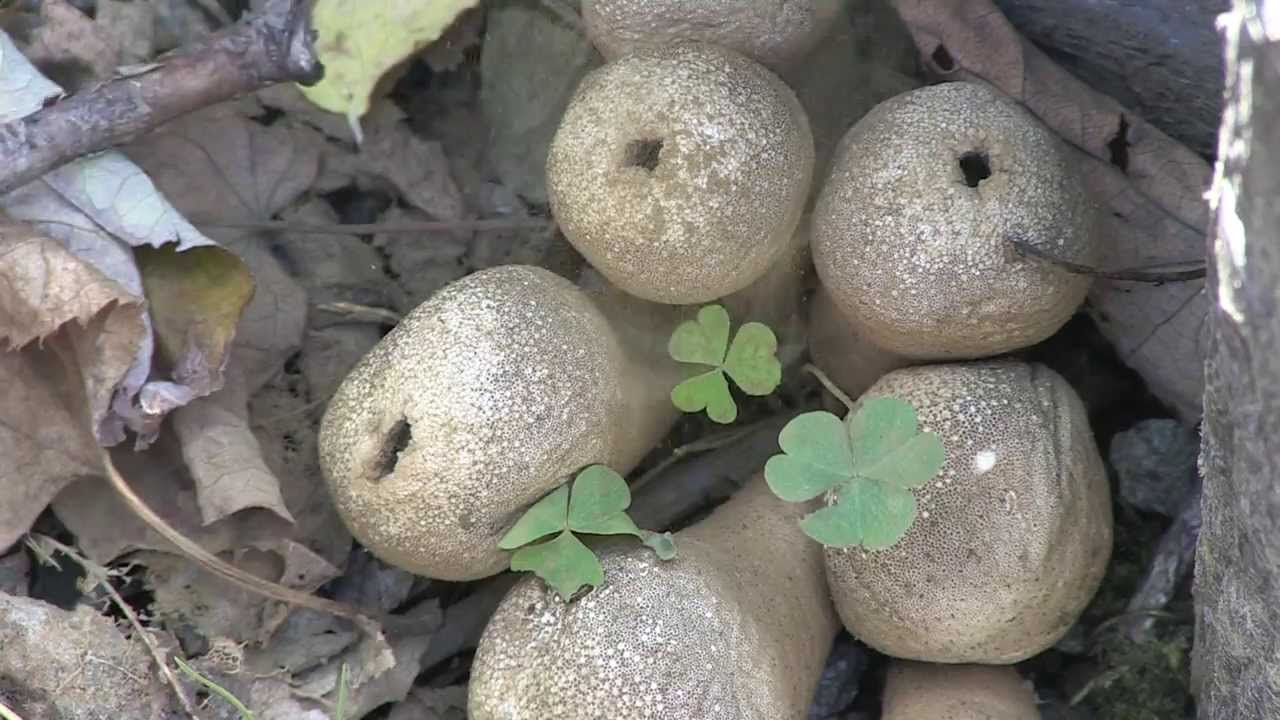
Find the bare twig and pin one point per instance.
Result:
(274, 46)
(100, 577)
(389, 228)
(1195, 268)
(362, 313)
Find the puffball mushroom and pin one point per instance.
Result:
(737, 626)
(924, 691)
(1011, 538)
(681, 172)
(913, 229)
(773, 33)
(483, 399)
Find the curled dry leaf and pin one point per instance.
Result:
(417, 168)
(100, 207)
(66, 38)
(1150, 185)
(67, 339)
(217, 166)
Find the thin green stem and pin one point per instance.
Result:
(341, 712)
(7, 714)
(829, 385)
(215, 688)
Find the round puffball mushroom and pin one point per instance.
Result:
(737, 626)
(1011, 538)
(923, 691)
(914, 229)
(681, 172)
(482, 400)
(773, 33)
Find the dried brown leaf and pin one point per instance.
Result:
(70, 47)
(220, 166)
(68, 335)
(187, 595)
(106, 529)
(1154, 211)
(223, 455)
(99, 207)
(416, 168)
(131, 25)
(217, 167)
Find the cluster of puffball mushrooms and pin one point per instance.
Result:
(683, 173)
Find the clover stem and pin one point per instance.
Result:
(830, 386)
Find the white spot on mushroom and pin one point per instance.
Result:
(984, 461)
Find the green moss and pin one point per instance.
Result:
(1143, 681)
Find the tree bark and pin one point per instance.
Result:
(1161, 58)
(1236, 665)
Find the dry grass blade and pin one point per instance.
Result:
(232, 574)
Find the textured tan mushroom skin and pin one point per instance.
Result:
(919, 260)
(729, 184)
(1011, 539)
(736, 628)
(773, 33)
(924, 691)
(509, 380)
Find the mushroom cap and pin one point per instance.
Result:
(1011, 538)
(773, 33)
(924, 691)
(479, 402)
(681, 172)
(737, 626)
(912, 230)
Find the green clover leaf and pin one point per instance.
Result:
(548, 515)
(595, 503)
(564, 563)
(751, 360)
(866, 465)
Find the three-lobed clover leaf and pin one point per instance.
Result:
(751, 360)
(596, 504)
(866, 465)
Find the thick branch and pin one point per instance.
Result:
(1236, 663)
(274, 46)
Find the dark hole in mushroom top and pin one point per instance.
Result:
(397, 440)
(942, 59)
(976, 167)
(643, 154)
